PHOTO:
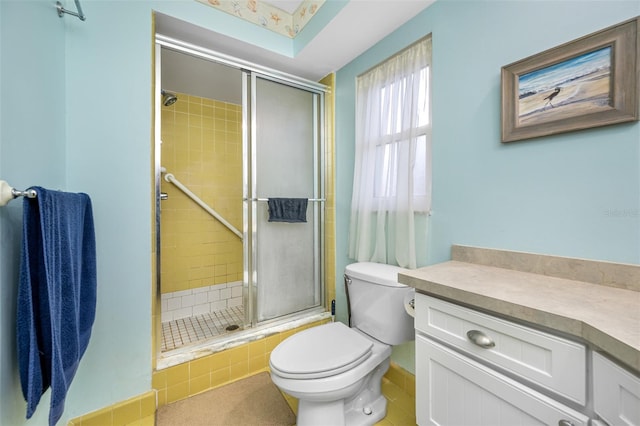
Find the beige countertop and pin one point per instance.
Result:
(601, 309)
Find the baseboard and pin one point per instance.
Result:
(400, 377)
(139, 410)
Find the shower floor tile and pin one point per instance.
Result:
(193, 329)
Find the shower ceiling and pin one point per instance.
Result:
(183, 73)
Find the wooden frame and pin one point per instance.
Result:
(589, 82)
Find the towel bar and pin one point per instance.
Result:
(316, 200)
(7, 193)
(79, 14)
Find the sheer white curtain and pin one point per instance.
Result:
(392, 174)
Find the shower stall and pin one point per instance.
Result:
(230, 135)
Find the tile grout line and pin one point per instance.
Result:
(182, 331)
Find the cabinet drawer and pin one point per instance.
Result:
(461, 391)
(616, 393)
(556, 364)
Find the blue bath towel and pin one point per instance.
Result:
(56, 294)
(291, 210)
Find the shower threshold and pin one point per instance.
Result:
(229, 339)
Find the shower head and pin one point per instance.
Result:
(168, 99)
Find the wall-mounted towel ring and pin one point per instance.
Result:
(7, 193)
(62, 10)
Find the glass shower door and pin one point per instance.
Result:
(287, 151)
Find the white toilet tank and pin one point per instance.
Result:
(376, 302)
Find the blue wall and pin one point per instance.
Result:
(76, 115)
(559, 195)
(32, 151)
(575, 194)
(79, 95)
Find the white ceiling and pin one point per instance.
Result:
(357, 27)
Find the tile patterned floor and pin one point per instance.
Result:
(194, 329)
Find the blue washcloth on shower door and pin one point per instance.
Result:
(56, 294)
(291, 210)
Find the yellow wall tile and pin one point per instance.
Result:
(287, 333)
(126, 413)
(183, 380)
(177, 392)
(199, 384)
(148, 404)
(136, 410)
(178, 374)
(329, 244)
(145, 421)
(162, 397)
(410, 384)
(102, 418)
(257, 348)
(238, 354)
(257, 363)
(220, 360)
(220, 376)
(199, 367)
(238, 370)
(271, 342)
(193, 128)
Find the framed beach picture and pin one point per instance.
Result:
(589, 82)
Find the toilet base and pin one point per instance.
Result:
(365, 407)
(359, 417)
(314, 413)
(335, 413)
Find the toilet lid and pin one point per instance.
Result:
(376, 273)
(320, 351)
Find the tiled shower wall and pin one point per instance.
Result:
(201, 300)
(202, 148)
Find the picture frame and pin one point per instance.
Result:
(589, 82)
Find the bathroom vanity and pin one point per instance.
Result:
(507, 338)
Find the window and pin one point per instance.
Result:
(392, 170)
(395, 138)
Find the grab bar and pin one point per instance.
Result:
(172, 179)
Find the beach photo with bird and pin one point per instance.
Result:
(574, 87)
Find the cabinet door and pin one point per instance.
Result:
(616, 393)
(554, 363)
(452, 390)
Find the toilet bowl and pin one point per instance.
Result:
(336, 371)
(338, 381)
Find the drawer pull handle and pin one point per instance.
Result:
(480, 339)
(565, 423)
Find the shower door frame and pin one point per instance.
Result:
(250, 72)
(250, 196)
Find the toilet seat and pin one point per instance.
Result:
(321, 351)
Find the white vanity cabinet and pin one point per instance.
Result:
(506, 338)
(475, 369)
(616, 393)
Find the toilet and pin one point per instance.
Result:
(335, 371)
